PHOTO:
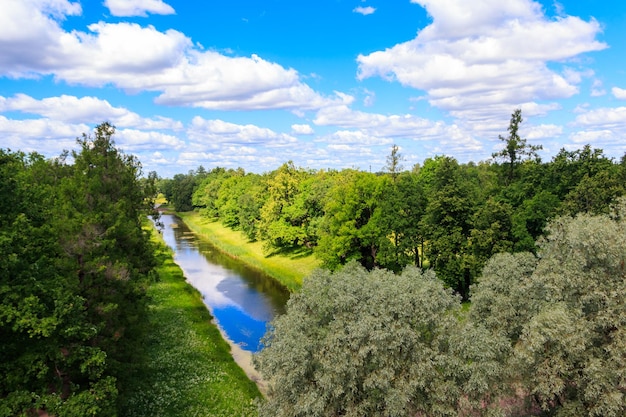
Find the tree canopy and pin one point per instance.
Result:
(73, 273)
(544, 335)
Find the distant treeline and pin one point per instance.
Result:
(446, 215)
(74, 266)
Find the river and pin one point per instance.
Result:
(241, 300)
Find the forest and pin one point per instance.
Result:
(448, 289)
(443, 215)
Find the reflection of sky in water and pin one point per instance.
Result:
(238, 307)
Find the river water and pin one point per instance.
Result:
(242, 300)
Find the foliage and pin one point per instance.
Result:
(516, 148)
(74, 270)
(445, 215)
(350, 229)
(563, 315)
(283, 218)
(446, 223)
(360, 343)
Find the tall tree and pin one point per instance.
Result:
(74, 268)
(447, 223)
(515, 147)
(351, 228)
(283, 222)
(394, 162)
(402, 205)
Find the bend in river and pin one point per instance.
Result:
(241, 299)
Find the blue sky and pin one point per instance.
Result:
(326, 84)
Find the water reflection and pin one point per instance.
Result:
(241, 300)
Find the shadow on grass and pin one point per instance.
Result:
(295, 252)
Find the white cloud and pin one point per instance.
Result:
(216, 133)
(435, 137)
(602, 127)
(137, 58)
(302, 129)
(48, 137)
(133, 140)
(591, 136)
(126, 8)
(71, 109)
(543, 131)
(603, 117)
(342, 138)
(486, 53)
(408, 125)
(619, 93)
(30, 34)
(364, 10)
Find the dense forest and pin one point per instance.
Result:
(74, 268)
(444, 215)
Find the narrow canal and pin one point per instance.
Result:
(242, 300)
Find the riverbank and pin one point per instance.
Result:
(188, 368)
(289, 269)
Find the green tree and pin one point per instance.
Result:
(205, 195)
(40, 313)
(282, 222)
(351, 228)
(515, 148)
(74, 268)
(182, 187)
(492, 231)
(530, 219)
(394, 161)
(250, 202)
(447, 224)
(100, 228)
(361, 343)
(563, 314)
(594, 195)
(402, 206)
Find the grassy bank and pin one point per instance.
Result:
(287, 268)
(188, 368)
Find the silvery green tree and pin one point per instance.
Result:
(359, 343)
(564, 317)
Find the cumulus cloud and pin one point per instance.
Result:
(302, 129)
(603, 127)
(364, 10)
(603, 117)
(137, 58)
(44, 136)
(371, 129)
(486, 53)
(619, 93)
(408, 125)
(126, 8)
(71, 109)
(218, 133)
(133, 140)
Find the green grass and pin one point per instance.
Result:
(287, 268)
(188, 369)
